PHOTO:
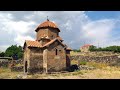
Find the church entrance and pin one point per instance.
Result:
(25, 66)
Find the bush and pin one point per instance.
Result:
(75, 50)
(73, 68)
(2, 54)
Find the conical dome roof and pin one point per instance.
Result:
(47, 24)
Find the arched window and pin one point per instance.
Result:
(56, 52)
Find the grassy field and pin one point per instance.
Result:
(102, 71)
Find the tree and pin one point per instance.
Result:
(2, 54)
(14, 51)
(76, 50)
(110, 48)
(92, 48)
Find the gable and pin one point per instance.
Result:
(57, 45)
(52, 41)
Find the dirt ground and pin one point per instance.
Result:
(103, 73)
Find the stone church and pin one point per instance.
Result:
(47, 53)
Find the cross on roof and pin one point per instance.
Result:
(47, 18)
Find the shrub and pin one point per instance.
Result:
(73, 68)
(77, 50)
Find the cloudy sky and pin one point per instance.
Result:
(100, 28)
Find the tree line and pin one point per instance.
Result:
(109, 48)
(13, 51)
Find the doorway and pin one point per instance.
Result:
(26, 66)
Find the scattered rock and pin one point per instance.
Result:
(22, 76)
(82, 67)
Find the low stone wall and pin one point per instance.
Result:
(18, 68)
(101, 59)
(6, 63)
(18, 61)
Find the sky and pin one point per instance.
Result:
(99, 28)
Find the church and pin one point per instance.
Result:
(46, 53)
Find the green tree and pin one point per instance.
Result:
(14, 50)
(77, 50)
(2, 54)
(93, 48)
(110, 48)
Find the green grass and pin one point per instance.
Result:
(82, 63)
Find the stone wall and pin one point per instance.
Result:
(50, 32)
(36, 61)
(41, 33)
(17, 62)
(101, 59)
(68, 63)
(4, 63)
(56, 62)
(17, 68)
(7, 63)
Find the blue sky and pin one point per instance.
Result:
(77, 27)
(96, 15)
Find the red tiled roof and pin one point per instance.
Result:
(86, 45)
(37, 44)
(52, 42)
(47, 24)
(33, 43)
(59, 38)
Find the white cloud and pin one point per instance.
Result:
(98, 30)
(21, 39)
(76, 27)
(13, 31)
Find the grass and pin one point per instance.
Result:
(102, 71)
(74, 62)
(97, 65)
(19, 65)
(82, 63)
(106, 72)
(72, 53)
(5, 73)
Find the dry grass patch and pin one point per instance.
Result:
(102, 74)
(102, 71)
(97, 65)
(5, 73)
(74, 62)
